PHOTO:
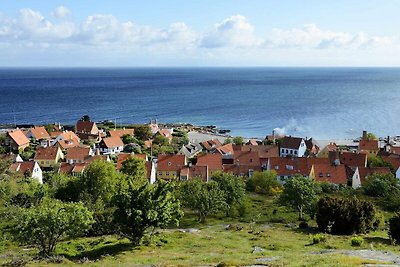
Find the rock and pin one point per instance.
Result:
(258, 249)
(267, 259)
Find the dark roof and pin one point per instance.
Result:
(291, 142)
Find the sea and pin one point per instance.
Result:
(323, 103)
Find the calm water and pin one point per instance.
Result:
(318, 102)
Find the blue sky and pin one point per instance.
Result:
(199, 33)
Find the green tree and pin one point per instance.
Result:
(263, 182)
(379, 185)
(228, 141)
(135, 168)
(233, 188)
(85, 118)
(45, 225)
(98, 182)
(238, 140)
(205, 198)
(377, 161)
(371, 136)
(160, 140)
(300, 193)
(141, 206)
(142, 132)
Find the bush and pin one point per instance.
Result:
(379, 185)
(317, 238)
(357, 241)
(394, 227)
(303, 225)
(345, 216)
(263, 183)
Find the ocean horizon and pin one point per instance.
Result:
(319, 102)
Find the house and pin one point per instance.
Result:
(252, 142)
(78, 154)
(194, 172)
(351, 159)
(11, 157)
(245, 163)
(335, 174)
(292, 147)
(167, 133)
(86, 127)
(211, 145)
(368, 146)
(121, 132)
(213, 162)
(153, 126)
(312, 148)
(367, 171)
(90, 159)
(66, 140)
(75, 169)
(30, 168)
(226, 151)
(40, 134)
(111, 145)
(190, 150)
(48, 157)
(394, 149)
(264, 151)
(16, 140)
(170, 166)
(123, 156)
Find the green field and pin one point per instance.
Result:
(267, 236)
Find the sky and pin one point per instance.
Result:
(179, 33)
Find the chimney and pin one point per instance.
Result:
(273, 136)
(364, 135)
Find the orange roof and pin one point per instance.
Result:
(68, 143)
(252, 142)
(171, 162)
(211, 144)
(226, 149)
(148, 143)
(55, 134)
(213, 161)
(77, 153)
(46, 153)
(110, 142)
(120, 133)
(330, 173)
(19, 137)
(166, 133)
(65, 168)
(79, 167)
(39, 132)
(368, 145)
(246, 158)
(367, 171)
(292, 166)
(124, 156)
(69, 135)
(264, 151)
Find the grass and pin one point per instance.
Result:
(213, 244)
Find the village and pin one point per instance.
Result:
(176, 154)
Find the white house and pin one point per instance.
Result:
(111, 145)
(292, 147)
(29, 167)
(190, 150)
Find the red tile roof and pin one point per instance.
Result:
(250, 158)
(330, 173)
(120, 132)
(367, 171)
(170, 162)
(46, 153)
(291, 142)
(211, 144)
(111, 142)
(166, 133)
(213, 161)
(19, 137)
(226, 149)
(65, 168)
(348, 158)
(86, 127)
(264, 151)
(39, 132)
(198, 172)
(77, 153)
(68, 143)
(368, 145)
(23, 167)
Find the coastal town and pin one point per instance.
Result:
(186, 152)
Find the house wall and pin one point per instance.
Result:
(356, 180)
(167, 175)
(299, 152)
(37, 173)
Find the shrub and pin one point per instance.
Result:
(303, 225)
(317, 238)
(357, 241)
(394, 227)
(379, 185)
(345, 216)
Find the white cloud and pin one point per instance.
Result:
(61, 12)
(234, 31)
(310, 36)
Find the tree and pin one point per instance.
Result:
(142, 132)
(263, 182)
(238, 141)
(379, 185)
(228, 141)
(160, 140)
(300, 193)
(127, 139)
(45, 225)
(205, 198)
(371, 136)
(377, 161)
(142, 205)
(98, 182)
(233, 188)
(85, 118)
(135, 168)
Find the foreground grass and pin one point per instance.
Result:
(269, 236)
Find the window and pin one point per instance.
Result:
(287, 151)
(295, 152)
(169, 163)
(159, 173)
(291, 151)
(167, 173)
(251, 160)
(282, 150)
(276, 167)
(328, 174)
(321, 174)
